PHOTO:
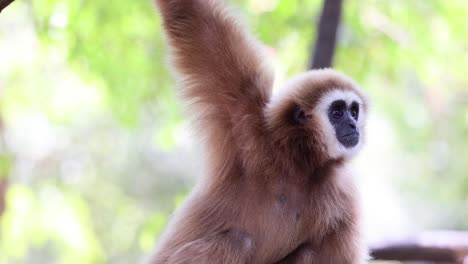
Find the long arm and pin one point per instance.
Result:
(220, 64)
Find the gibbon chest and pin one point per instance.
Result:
(293, 213)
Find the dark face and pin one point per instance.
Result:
(344, 119)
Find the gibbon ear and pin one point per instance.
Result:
(298, 116)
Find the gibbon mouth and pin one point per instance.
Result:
(349, 140)
(351, 134)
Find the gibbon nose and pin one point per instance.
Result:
(352, 126)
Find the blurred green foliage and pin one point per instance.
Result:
(94, 128)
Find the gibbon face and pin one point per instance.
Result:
(341, 116)
(328, 108)
(344, 116)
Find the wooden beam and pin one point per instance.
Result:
(435, 246)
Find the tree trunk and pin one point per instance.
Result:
(5, 3)
(326, 34)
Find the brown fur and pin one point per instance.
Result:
(272, 193)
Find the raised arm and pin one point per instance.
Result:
(221, 66)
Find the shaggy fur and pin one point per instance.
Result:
(275, 191)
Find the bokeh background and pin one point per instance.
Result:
(95, 151)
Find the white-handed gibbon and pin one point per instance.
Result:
(276, 189)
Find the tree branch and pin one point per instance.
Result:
(5, 3)
(4, 169)
(326, 34)
(3, 190)
(436, 246)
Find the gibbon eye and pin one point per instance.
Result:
(337, 109)
(355, 110)
(337, 113)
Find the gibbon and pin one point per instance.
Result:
(276, 189)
